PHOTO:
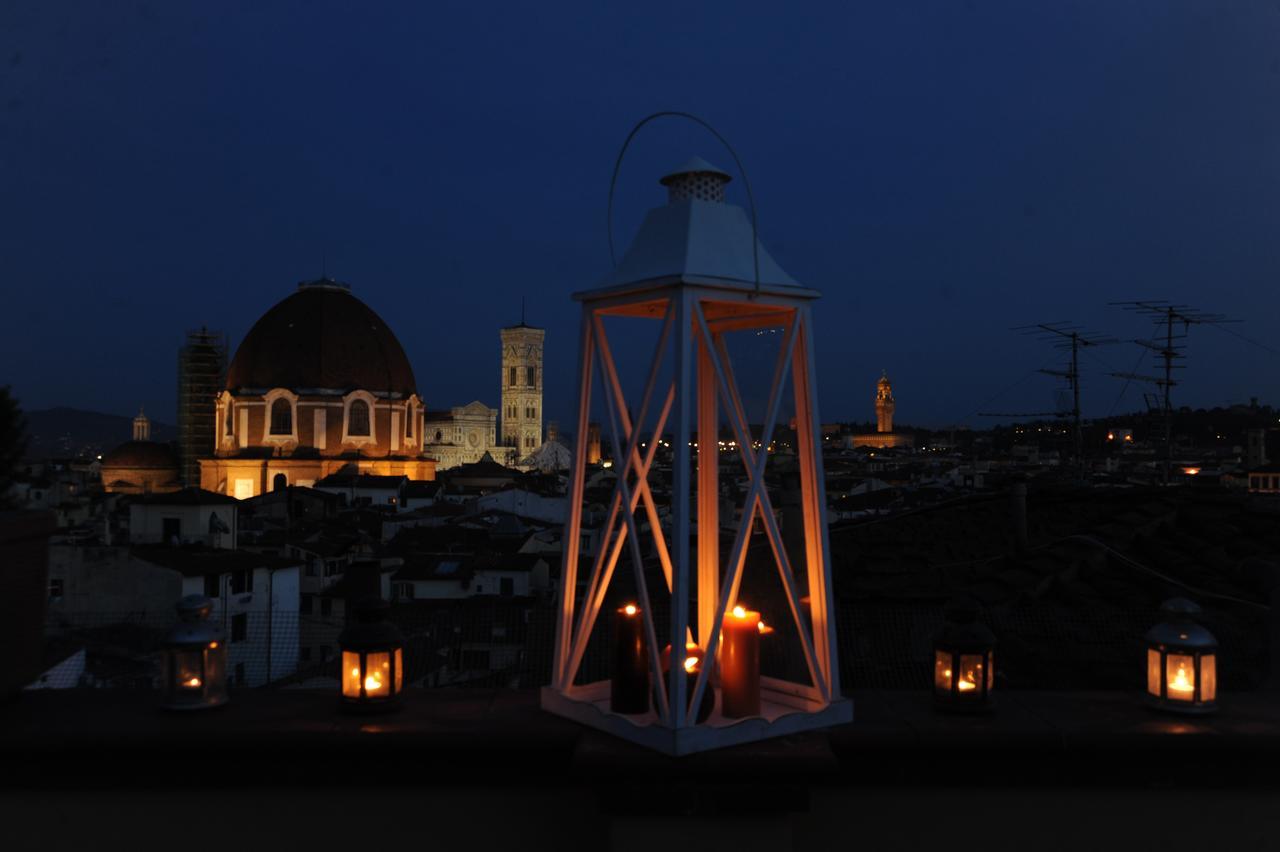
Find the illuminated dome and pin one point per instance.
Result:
(147, 455)
(321, 339)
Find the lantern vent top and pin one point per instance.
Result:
(1180, 607)
(696, 179)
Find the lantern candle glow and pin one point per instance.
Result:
(195, 666)
(1182, 671)
(372, 658)
(964, 660)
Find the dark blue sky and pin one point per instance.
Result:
(941, 170)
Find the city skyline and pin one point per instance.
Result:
(452, 168)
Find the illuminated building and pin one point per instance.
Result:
(141, 466)
(884, 436)
(522, 388)
(320, 385)
(463, 434)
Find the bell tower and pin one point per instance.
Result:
(522, 387)
(884, 404)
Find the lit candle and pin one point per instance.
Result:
(629, 692)
(192, 683)
(692, 666)
(740, 663)
(1181, 683)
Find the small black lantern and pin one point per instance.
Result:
(372, 658)
(1182, 661)
(195, 658)
(964, 660)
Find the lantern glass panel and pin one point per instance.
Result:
(377, 674)
(991, 671)
(942, 672)
(1180, 674)
(215, 664)
(399, 670)
(971, 674)
(1208, 677)
(189, 670)
(350, 674)
(1153, 672)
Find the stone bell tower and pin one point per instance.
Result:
(522, 388)
(884, 404)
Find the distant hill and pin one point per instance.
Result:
(67, 432)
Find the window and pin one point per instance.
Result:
(511, 377)
(281, 417)
(311, 566)
(507, 586)
(279, 482)
(212, 588)
(404, 591)
(439, 436)
(240, 627)
(55, 588)
(531, 374)
(171, 530)
(230, 424)
(241, 582)
(358, 419)
(408, 423)
(326, 606)
(304, 605)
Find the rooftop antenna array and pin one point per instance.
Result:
(1169, 346)
(1068, 337)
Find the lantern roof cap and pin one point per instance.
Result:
(694, 166)
(697, 242)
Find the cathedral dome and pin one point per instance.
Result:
(142, 454)
(321, 338)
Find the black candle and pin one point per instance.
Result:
(630, 688)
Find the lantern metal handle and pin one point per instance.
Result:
(751, 200)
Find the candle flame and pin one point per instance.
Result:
(372, 682)
(690, 663)
(761, 627)
(739, 612)
(630, 609)
(191, 682)
(1181, 683)
(212, 645)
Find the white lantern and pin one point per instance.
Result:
(696, 268)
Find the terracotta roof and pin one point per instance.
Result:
(185, 497)
(321, 338)
(199, 561)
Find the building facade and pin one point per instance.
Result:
(463, 434)
(202, 374)
(320, 385)
(522, 388)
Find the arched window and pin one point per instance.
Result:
(439, 437)
(358, 419)
(231, 420)
(281, 417)
(279, 482)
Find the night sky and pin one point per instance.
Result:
(940, 170)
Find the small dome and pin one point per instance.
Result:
(321, 338)
(142, 454)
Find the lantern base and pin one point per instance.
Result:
(964, 708)
(211, 704)
(1180, 708)
(357, 707)
(783, 710)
